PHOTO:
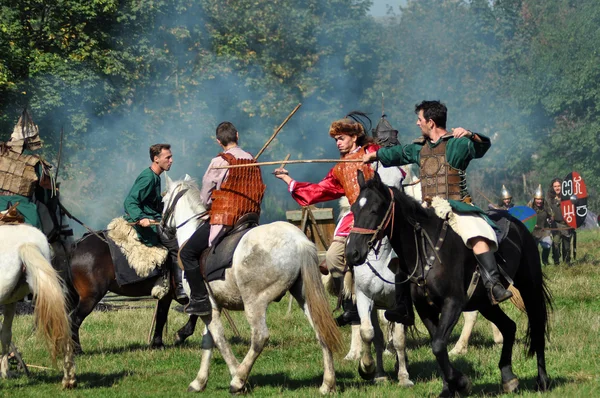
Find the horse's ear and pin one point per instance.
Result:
(361, 179)
(187, 178)
(168, 180)
(377, 178)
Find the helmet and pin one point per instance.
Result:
(505, 193)
(25, 134)
(539, 194)
(385, 134)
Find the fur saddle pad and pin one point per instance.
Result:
(215, 260)
(143, 259)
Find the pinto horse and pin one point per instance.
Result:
(440, 267)
(269, 260)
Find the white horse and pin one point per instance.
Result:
(268, 261)
(25, 268)
(371, 294)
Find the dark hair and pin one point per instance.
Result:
(226, 133)
(156, 149)
(433, 110)
(551, 194)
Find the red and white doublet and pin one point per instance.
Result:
(340, 181)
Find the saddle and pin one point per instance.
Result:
(502, 219)
(11, 216)
(217, 258)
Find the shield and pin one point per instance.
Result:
(526, 215)
(573, 204)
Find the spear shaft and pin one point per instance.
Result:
(235, 166)
(277, 131)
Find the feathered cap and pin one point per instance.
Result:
(506, 193)
(539, 194)
(353, 125)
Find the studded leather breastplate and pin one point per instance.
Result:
(438, 178)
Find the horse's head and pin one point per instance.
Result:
(372, 214)
(182, 204)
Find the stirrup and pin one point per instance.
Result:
(505, 295)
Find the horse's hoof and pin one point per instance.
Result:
(179, 340)
(463, 385)
(381, 380)
(69, 384)
(405, 383)
(157, 346)
(511, 386)
(238, 386)
(326, 389)
(542, 384)
(366, 374)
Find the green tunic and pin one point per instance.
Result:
(459, 153)
(145, 201)
(26, 206)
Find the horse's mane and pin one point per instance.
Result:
(194, 192)
(411, 208)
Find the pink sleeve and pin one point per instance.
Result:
(212, 180)
(306, 193)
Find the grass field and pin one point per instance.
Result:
(117, 362)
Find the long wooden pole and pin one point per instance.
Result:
(289, 162)
(277, 131)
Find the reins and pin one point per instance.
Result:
(421, 251)
(378, 232)
(171, 210)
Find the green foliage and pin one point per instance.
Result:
(121, 75)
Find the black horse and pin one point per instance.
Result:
(94, 275)
(440, 267)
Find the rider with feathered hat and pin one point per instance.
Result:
(353, 142)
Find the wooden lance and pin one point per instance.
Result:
(276, 132)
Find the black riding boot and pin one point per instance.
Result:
(403, 311)
(180, 295)
(491, 278)
(350, 315)
(169, 240)
(199, 302)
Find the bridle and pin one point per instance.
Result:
(170, 211)
(375, 242)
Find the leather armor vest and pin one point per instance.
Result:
(438, 178)
(345, 173)
(17, 174)
(241, 193)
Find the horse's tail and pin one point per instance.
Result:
(537, 298)
(316, 300)
(50, 313)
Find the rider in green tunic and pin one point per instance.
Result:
(143, 205)
(443, 158)
(144, 202)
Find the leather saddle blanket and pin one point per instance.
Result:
(133, 260)
(125, 274)
(215, 260)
